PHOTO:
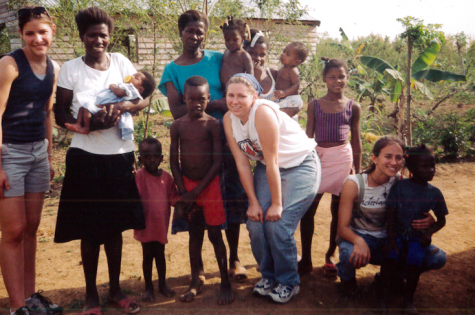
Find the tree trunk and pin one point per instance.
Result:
(408, 92)
(459, 48)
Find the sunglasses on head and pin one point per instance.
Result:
(26, 12)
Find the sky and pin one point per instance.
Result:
(363, 17)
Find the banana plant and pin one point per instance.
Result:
(370, 90)
(351, 52)
(419, 72)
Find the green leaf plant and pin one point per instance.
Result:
(427, 40)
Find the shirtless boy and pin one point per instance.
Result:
(196, 139)
(235, 58)
(288, 78)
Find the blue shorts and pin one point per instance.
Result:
(27, 168)
(415, 251)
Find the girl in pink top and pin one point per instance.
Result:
(157, 193)
(330, 120)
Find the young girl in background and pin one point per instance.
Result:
(410, 199)
(235, 58)
(330, 120)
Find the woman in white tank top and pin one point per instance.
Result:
(285, 180)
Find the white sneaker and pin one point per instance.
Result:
(263, 287)
(40, 305)
(283, 293)
(21, 311)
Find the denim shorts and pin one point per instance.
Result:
(27, 168)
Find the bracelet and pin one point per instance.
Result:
(50, 154)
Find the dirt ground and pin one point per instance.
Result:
(450, 290)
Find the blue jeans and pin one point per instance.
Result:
(415, 250)
(273, 243)
(434, 258)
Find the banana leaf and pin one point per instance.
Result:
(342, 47)
(361, 70)
(375, 64)
(343, 35)
(358, 80)
(378, 85)
(433, 75)
(358, 98)
(418, 86)
(396, 91)
(360, 48)
(427, 57)
(395, 75)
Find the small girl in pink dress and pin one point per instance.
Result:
(157, 193)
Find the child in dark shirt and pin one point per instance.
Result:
(235, 59)
(408, 200)
(195, 158)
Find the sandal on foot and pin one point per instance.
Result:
(239, 273)
(330, 270)
(92, 311)
(190, 293)
(125, 305)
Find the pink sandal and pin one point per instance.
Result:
(124, 304)
(93, 311)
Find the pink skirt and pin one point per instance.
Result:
(336, 166)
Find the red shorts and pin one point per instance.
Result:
(210, 200)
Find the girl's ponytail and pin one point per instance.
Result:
(334, 63)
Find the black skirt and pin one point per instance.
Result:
(99, 197)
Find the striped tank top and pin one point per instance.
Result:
(332, 127)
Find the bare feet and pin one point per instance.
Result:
(190, 294)
(226, 296)
(166, 291)
(148, 295)
(77, 128)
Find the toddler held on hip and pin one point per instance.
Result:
(235, 58)
(158, 193)
(135, 87)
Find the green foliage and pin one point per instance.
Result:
(139, 130)
(343, 35)
(4, 41)
(427, 57)
(76, 304)
(449, 134)
(434, 75)
(419, 34)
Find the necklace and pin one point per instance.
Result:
(385, 194)
(38, 66)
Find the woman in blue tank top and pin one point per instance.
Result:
(26, 99)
